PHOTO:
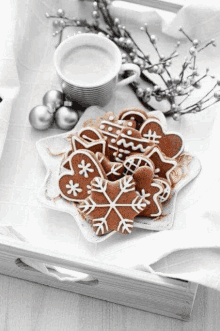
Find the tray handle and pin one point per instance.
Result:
(58, 273)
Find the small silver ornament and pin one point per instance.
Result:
(53, 99)
(176, 116)
(40, 117)
(66, 118)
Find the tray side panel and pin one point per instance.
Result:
(172, 298)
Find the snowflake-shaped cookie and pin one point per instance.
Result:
(112, 206)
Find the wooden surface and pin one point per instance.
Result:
(25, 306)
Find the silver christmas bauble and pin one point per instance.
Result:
(66, 118)
(53, 99)
(40, 117)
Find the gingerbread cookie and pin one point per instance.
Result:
(166, 189)
(79, 143)
(113, 170)
(163, 165)
(135, 161)
(111, 129)
(75, 185)
(171, 144)
(150, 190)
(112, 206)
(129, 142)
(136, 114)
(90, 134)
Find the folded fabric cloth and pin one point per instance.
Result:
(9, 81)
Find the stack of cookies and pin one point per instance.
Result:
(118, 168)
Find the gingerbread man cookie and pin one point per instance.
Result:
(113, 170)
(163, 165)
(150, 190)
(171, 144)
(75, 185)
(112, 206)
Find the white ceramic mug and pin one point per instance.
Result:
(98, 90)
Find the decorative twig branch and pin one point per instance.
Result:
(175, 89)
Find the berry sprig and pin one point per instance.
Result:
(176, 89)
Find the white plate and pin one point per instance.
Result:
(50, 189)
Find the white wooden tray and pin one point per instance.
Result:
(129, 287)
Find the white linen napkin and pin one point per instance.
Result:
(191, 249)
(9, 81)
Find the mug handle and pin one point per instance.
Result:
(132, 78)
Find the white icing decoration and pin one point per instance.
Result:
(88, 189)
(88, 130)
(145, 195)
(86, 168)
(73, 188)
(131, 144)
(129, 132)
(166, 190)
(87, 138)
(111, 118)
(155, 198)
(130, 124)
(113, 140)
(109, 128)
(132, 112)
(124, 151)
(156, 172)
(112, 124)
(126, 225)
(118, 132)
(88, 145)
(101, 225)
(127, 184)
(102, 127)
(114, 169)
(133, 163)
(120, 122)
(152, 137)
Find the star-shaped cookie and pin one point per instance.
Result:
(163, 165)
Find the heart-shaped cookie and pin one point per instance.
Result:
(171, 144)
(75, 185)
